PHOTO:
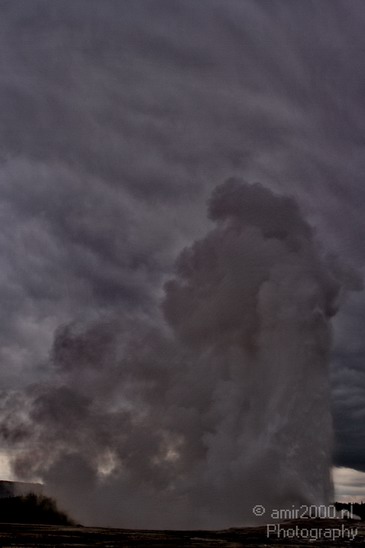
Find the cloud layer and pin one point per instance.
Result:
(118, 120)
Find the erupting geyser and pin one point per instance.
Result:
(219, 404)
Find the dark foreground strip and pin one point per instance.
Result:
(294, 534)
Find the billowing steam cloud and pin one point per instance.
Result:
(218, 403)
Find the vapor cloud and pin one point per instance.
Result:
(118, 120)
(192, 422)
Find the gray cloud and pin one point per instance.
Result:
(194, 419)
(117, 121)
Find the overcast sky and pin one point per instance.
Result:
(119, 118)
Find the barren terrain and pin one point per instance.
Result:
(19, 535)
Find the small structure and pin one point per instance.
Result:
(10, 489)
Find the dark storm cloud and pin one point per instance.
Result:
(348, 379)
(118, 118)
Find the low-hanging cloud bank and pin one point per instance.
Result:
(220, 403)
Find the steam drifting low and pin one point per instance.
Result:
(218, 403)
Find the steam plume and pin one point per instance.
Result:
(218, 403)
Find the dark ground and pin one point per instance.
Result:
(55, 536)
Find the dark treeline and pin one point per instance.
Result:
(356, 508)
(32, 509)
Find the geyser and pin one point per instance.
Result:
(218, 402)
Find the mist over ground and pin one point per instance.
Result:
(118, 120)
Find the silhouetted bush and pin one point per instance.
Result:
(357, 508)
(32, 509)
